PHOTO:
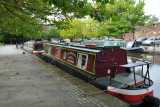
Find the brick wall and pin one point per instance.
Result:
(152, 31)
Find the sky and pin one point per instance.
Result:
(152, 7)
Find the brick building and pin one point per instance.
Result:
(151, 31)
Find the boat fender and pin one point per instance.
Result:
(152, 100)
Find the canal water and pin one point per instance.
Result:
(154, 69)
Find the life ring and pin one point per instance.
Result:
(90, 44)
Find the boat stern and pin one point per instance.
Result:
(132, 96)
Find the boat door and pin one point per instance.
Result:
(82, 60)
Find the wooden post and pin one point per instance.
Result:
(135, 77)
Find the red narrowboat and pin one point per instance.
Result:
(105, 67)
(34, 48)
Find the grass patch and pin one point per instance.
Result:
(1, 44)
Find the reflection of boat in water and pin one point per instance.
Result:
(154, 58)
(106, 67)
(129, 46)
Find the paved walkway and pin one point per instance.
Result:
(28, 81)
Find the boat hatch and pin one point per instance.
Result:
(130, 79)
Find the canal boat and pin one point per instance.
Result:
(34, 48)
(105, 67)
(129, 46)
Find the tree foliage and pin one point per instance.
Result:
(129, 13)
(43, 35)
(152, 20)
(54, 33)
(116, 29)
(74, 29)
(123, 16)
(116, 17)
(21, 16)
(80, 29)
(91, 28)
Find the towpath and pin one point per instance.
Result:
(28, 81)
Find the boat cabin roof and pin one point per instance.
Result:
(86, 49)
(30, 42)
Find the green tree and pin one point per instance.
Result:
(125, 16)
(91, 28)
(43, 35)
(152, 20)
(116, 29)
(54, 33)
(27, 16)
(22, 16)
(66, 33)
(75, 29)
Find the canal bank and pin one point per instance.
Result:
(27, 80)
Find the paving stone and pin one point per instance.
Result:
(3, 96)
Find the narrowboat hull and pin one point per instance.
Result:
(131, 96)
(105, 67)
(69, 68)
(34, 52)
(37, 52)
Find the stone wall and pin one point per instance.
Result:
(151, 31)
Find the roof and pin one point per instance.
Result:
(77, 48)
(30, 42)
(84, 48)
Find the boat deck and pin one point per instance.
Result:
(120, 80)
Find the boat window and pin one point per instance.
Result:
(38, 47)
(31, 46)
(49, 50)
(82, 60)
(58, 52)
(46, 49)
(64, 55)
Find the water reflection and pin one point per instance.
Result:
(154, 69)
